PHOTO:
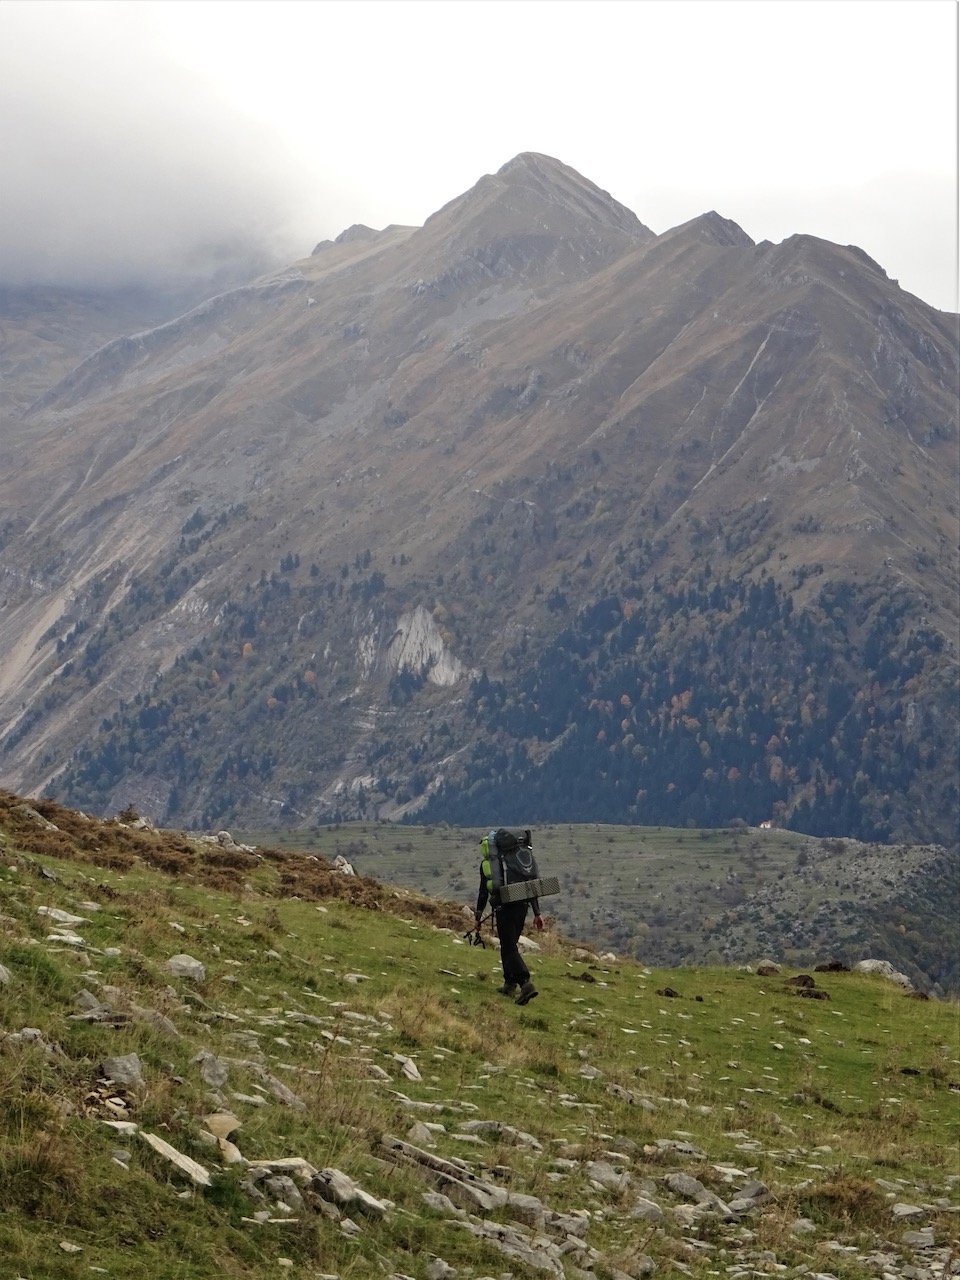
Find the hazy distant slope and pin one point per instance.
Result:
(531, 440)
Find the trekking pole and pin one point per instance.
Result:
(473, 936)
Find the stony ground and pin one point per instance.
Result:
(296, 1072)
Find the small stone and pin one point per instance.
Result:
(803, 1227)
(605, 1175)
(222, 1123)
(682, 1184)
(285, 1191)
(437, 1269)
(184, 966)
(6, 977)
(901, 1210)
(647, 1210)
(420, 1135)
(124, 1070)
(408, 1067)
(526, 1209)
(126, 1128)
(212, 1070)
(923, 1239)
(338, 1187)
(67, 1247)
(230, 1152)
(196, 1172)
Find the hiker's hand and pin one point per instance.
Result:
(477, 921)
(538, 921)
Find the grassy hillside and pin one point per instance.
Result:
(629, 1121)
(674, 896)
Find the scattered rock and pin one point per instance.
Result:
(437, 1269)
(196, 1172)
(503, 1132)
(125, 1070)
(61, 917)
(338, 1187)
(27, 811)
(901, 1210)
(31, 1037)
(923, 1239)
(647, 1210)
(420, 1135)
(885, 970)
(212, 1070)
(682, 1184)
(801, 980)
(803, 1227)
(282, 1093)
(159, 1021)
(222, 1123)
(6, 977)
(632, 1099)
(184, 966)
(605, 1175)
(668, 993)
(408, 1067)
(832, 966)
(285, 1191)
(527, 1209)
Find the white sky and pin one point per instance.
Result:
(139, 132)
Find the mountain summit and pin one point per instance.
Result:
(527, 509)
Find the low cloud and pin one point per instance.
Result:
(121, 168)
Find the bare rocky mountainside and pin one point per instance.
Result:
(527, 511)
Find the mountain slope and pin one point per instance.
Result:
(267, 550)
(228, 1062)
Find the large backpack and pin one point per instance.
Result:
(515, 857)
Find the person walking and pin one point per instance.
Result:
(509, 917)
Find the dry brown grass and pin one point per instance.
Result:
(115, 845)
(844, 1201)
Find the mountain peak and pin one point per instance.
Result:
(359, 231)
(533, 162)
(712, 228)
(535, 195)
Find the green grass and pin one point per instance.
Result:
(817, 1098)
(695, 896)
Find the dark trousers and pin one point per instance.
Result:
(510, 922)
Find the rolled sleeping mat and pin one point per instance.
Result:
(523, 890)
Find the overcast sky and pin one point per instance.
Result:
(143, 140)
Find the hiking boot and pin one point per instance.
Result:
(507, 989)
(527, 992)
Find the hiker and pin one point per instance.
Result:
(510, 917)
